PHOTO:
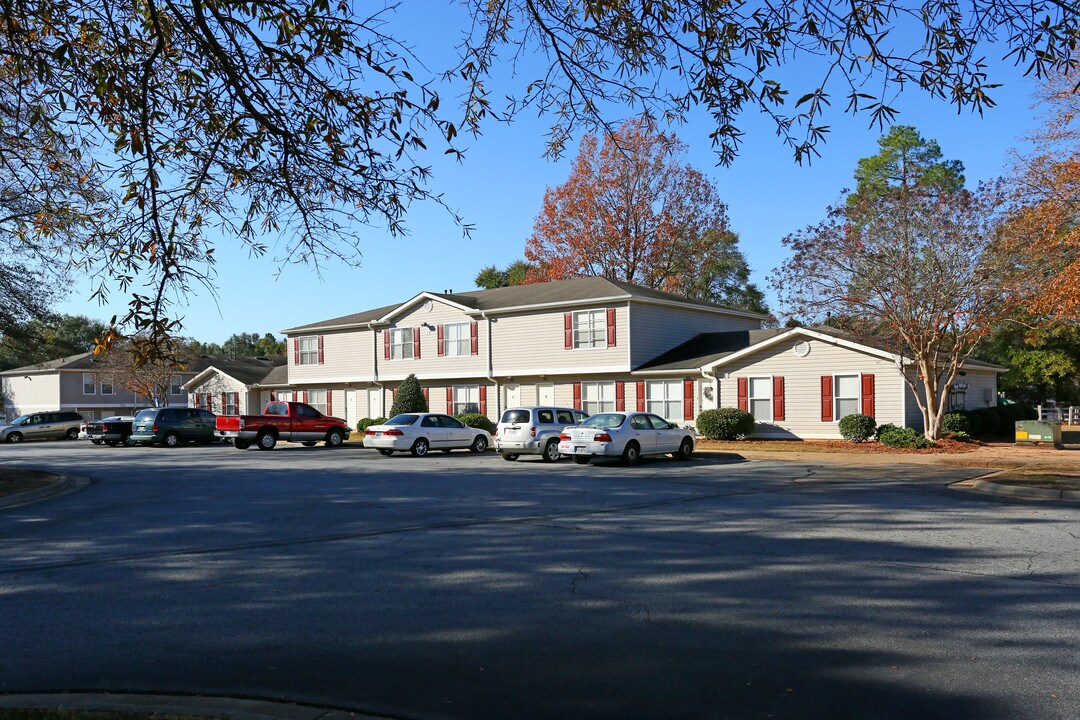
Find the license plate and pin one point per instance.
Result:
(579, 448)
(378, 433)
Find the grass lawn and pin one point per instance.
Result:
(14, 480)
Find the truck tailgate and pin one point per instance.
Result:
(229, 423)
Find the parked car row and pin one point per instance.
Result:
(59, 425)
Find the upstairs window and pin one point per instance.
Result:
(401, 343)
(309, 351)
(176, 386)
(107, 386)
(457, 339)
(590, 329)
(89, 384)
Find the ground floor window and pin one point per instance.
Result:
(664, 398)
(597, 397)
(466, 399)
(847, 395)
(232, 403)
(760, 399)
(317, 400)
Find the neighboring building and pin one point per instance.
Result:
(75, 383)
(238, 385)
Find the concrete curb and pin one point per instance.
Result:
(993, 488)
(67, 484)
(218, 707)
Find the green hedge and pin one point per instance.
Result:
(476, 420)
(725, 424)
(997, 421)
(954, 423)
(365, 423)
(857, 427)
(904, 438)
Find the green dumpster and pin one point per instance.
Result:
(1037, 432)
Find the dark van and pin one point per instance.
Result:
(172, 426)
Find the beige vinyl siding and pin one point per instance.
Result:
(981, 385)
(430, 365)
(802, 385)
(347, 355)
(534, 344)
(216, 384)
(71, 393)
(32, 393)
(655, 329)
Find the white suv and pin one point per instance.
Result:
(534, 431)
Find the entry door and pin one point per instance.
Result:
(513, 395)
(545, 394)
(350, 408)
(374, 402)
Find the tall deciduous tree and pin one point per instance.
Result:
(148, 379)
(921, 269)
(49, 338)
(631, 210)
(491, 277)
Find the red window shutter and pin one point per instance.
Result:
(483, 399)
(303, 396)
(620, 396)
(449, 400)
(320, 350)
(196, 399)
(641, 396)
(826, 398)
(868, 395)
(329, 402)
(442, 350)
(577, 396)
(416, 343)
(688, 399)
(296, 351)
(568, 330)
(611, 327)
(386, 343)
(474, 336)
(743, 394)
(224, 402)
(425, 391)
(777, 397)
(393, 393)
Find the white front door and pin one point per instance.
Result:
(350, 408)
(545, 394)
(513, 395)
(374, 402)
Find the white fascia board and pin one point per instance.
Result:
(316, 329)
(673, 371)
(207, 371)
(420, 298)
(584, 372)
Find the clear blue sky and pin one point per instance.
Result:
(500, 186)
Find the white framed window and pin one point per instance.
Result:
(309, 350)
(760, 398)
(176, 386)
(284, 396)
(107, 386)
(401, 343)
(466, 399)
(232, 403)
(846, 395)
(597, 397)
(457, 339)
(317, 400)
(590, 329)
(664, 398)
(89, 384)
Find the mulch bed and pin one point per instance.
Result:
(14, 480)
(944, 447)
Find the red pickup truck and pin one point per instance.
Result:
(289, 421)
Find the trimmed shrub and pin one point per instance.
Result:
(954, 422)
(365, 423)
(409, 397)
(883, 428)
(904, 438)
(857, 427)
(725, 424)
(476, 420)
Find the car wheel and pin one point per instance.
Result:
(96, 442)
(420, 447)
(241, 444)
(386, 451)
(266, 440)
(551, 451)
(335, 438)
(686, 449)
(14, 437)
(128, 442)
(509, 457)
(479, 444)
(631, 453)
(171, 439)
(308, 443)
(581, 459)
(72, 434)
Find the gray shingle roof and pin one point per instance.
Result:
(706, 348)
(246, 369)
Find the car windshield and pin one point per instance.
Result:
(402, 420)
(515, 416)
(605, 420)
(146, 415)
(20, 420)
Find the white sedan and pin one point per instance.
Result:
(625, 435)
(420, 432)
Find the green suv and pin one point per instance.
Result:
(172, 426)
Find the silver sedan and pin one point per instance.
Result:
(625, 435)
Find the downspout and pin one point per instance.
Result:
(490, 376)
(375, 367)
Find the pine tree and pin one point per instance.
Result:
(410, 398)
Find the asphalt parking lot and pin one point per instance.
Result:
(463, 586)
